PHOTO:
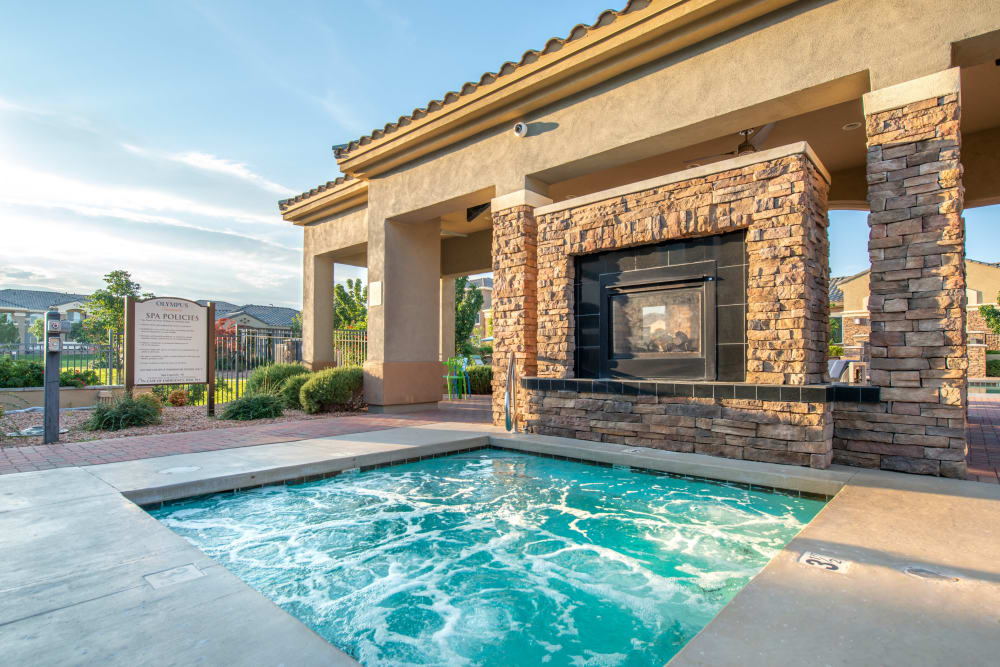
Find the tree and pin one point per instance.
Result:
(297, 325)
(37, 329)
(991, 315)
(836, 329)
(468, 302)
(350, 305)
(8, 330)
(106, 306)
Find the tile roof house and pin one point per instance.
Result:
(275, 319)
(24, 306)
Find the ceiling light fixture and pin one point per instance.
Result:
(853, 125)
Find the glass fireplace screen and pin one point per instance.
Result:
(657, 322)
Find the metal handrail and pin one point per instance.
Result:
(510, 398)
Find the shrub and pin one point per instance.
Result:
(481, 379)
(122, 413)
(153, 401)
(177, 398)
(258, 406)
(836, 350)
(291, 388)
(77, 378)
(993, 368)
(21, 373)
(333, 387)
(268, 379)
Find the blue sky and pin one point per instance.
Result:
(158, 137)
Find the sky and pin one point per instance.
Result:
(158, 137)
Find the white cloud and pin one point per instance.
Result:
(213, 163)
(75, 254)
(28, 187)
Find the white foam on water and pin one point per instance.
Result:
(444, 561)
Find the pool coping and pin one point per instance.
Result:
(723, 641)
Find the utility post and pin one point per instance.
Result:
(54, 328)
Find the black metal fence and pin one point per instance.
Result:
(237, 354)
(92, 363)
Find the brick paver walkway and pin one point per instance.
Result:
(984, 437)
(59, 455)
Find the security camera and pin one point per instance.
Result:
(521, 129)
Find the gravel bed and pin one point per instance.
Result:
(175, 420)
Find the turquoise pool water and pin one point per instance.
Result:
(497, 558)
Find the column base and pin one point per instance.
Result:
(401, 408)
(396, 384)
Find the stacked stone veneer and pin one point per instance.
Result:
(917, 302)
(781, 202)
(514, 298)
(772, 431)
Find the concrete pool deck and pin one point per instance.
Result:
(90, 577)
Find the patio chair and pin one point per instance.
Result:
(456, 378)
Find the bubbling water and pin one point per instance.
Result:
(497, 558)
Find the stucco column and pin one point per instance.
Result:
(317, 311)
(917, 248)
(447, 321)
(515, 310)
(403, 371)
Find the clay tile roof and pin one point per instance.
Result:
(285, 203)
(606, 18)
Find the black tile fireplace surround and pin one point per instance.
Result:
(674, 310)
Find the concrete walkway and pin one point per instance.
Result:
(90, 578)
(13, 459)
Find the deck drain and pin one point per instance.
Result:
(924, 573)
(179, 470)
(177, 575)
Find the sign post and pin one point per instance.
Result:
(169, 340)
(210, 371)
(54, 327)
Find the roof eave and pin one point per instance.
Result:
(348, 195)
(628, 42)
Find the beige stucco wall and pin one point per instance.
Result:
(808, 56)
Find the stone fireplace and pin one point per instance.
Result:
(673, 310)
(689, 312)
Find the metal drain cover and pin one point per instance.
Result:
(924, 573)
(179, 470)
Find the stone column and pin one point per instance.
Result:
(917, 248)
(515, 268)
(403, 371)
(317, 312)
(447, 321)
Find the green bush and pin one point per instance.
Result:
(481, 379)
(993, 368)
(122, 413)
(76, 378)
(268, 379)
(836, 350)
(21, 373)
(153, 401)
(291, 388)
(333, 387)
(258, 406)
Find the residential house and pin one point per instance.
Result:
(25, 306)
(275, 320)
(484, 320)
(849, 303)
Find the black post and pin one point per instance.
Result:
(53, 348)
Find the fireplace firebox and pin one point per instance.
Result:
(674, 310)
(659, 322)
